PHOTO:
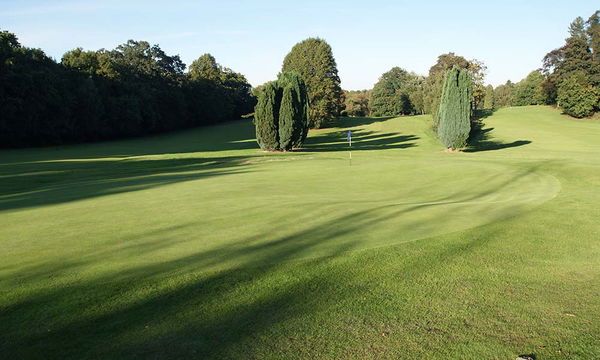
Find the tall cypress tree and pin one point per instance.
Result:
(287, 116)
(266, 117)
(314, 61)
(281, 114)
(301, 123)
(454, 113)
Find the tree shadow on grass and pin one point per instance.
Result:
(353, 121)
(481, 114)
(361, 140)
(483, 141)
(181, 307)
(44, 176)
(234, 135)
(57, 182)
(36, 177)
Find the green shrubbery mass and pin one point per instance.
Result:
(281, 114)
(132, 90)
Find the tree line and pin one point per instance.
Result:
(569, 79)
(138, 89)
(399, 92)
(134, 89)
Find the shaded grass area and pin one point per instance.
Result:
(227, 252)
(483, 141)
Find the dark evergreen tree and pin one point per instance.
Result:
(266, 117)
(314, 61)
(287, 117)
(281, 115)
(301, 121)
(455, 109)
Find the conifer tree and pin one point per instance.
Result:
(287, 117)
(301, 123)
(281, 115)
(454, 113)
(266, 117)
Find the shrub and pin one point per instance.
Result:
(281, 114)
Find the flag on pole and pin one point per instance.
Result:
(349, 139)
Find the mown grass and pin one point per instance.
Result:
(198, 245)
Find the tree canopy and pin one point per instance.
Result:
(574, 68)
(132, 90)
(357, 103)
(313, 60)
(391, 94)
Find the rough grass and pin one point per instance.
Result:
(199, 245)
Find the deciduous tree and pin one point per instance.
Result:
(488, 102)
(313, 60)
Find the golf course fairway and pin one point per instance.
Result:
(197, 244)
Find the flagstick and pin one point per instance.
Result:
(350, 151)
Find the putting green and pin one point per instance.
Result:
(281, 206)
(383, 203)
(199, 245)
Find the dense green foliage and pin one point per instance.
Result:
(281, 114)
(573, 70)
(488, 100)
(234, 86)
(454, 112)
(435, 81)
(577, 97)
(529, 91)
(132, 90)
(287, 116)
(503, 94)
(356, 103)
(386, 97)
(397, 92)
(313, 60)
(266, 116)
(299, 111)
(570, 76)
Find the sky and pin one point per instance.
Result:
(252, 37)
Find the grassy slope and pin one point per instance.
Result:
(198, 245)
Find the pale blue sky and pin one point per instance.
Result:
(252, 37)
